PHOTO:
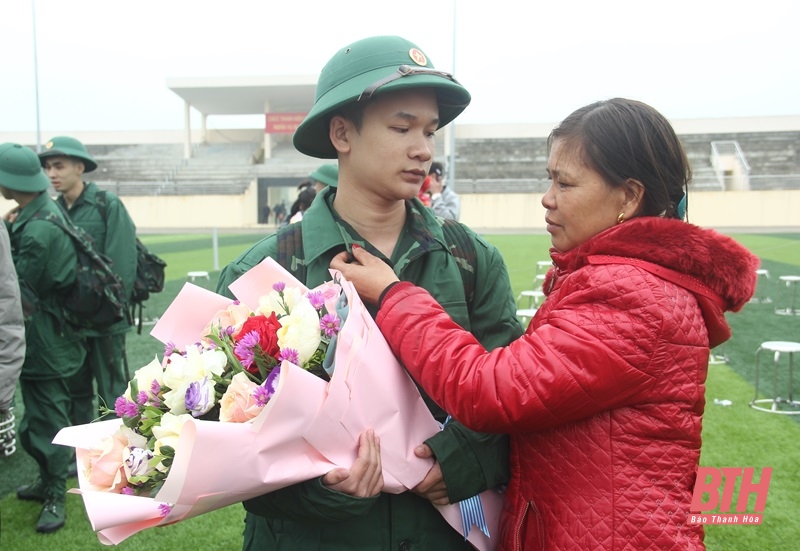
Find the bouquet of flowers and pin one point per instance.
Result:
(256, 388)
(228, 376)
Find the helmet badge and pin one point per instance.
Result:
(418, 57)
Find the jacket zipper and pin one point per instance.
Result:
(517, 543)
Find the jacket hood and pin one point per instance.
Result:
(718, 261)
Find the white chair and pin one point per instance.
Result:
(791, 406)
(528, 301)
(761, 296)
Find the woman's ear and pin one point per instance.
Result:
(634, 197)
(338, 132)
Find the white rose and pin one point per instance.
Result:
(267, 304)
(300, 330)
(145, 376)
(168, 431)
(197, 364)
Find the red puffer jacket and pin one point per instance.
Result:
(604, 394)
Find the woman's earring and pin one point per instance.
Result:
(621, 218)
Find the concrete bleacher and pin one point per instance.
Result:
(496, 165)
(519, 165)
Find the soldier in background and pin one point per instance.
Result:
(103, 216)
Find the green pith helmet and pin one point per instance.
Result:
(373, 66)
(70, 147)
(20, 169)
(328, 174)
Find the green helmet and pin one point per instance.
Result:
(328, 174)
(20, 169)
(69, 147)
(370, 67)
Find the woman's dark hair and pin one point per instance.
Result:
(624, 139)
(306, 197)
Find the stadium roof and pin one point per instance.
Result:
(246, 95)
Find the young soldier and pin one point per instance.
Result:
(103, 216)
(379, 102)
(46, 263)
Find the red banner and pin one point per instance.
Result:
(283, 123)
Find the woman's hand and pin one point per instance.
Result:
(369, 274)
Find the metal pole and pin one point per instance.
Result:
(215, 247)
(451, 168)
(36, 79)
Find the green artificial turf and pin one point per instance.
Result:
(733, 436)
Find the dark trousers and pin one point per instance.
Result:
(47, 405)
(106, 365)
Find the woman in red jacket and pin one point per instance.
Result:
(603, 396)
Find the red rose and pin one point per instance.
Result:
(267, 329)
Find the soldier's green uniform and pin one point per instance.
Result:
(108, 223)
(309, 516)
(46, 261)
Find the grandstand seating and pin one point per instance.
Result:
(501, 165)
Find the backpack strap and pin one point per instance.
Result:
(102, 204)
(463, 250)
(290, 250)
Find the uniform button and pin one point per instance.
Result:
(405, 545)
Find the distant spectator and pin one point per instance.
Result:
(280, 213)
(301, 187)
(325, 175)
(444, 201)
(303, 202)
(265, 212)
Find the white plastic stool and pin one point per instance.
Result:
(790, 281)
(525, 315)
(778, 348)
(197, 274)
(761, 297)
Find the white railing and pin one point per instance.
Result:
(730, 165)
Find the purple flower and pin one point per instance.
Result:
(316, 299)
(127, 491)
(279, 286)
(170, 349)
(289, 355)
(199, 397)
(155, 388)
(330, 324)
(271, 383)
(125, 408)
(244, 349)
(138, 460)
(165, 509)
(261, 396)
(141, 398)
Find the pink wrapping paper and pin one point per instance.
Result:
(308, 428)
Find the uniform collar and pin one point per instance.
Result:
(87, 196)
(30, 209)
(422, 230)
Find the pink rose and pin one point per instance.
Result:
(233, 316)
(105, 464)
(238, 405)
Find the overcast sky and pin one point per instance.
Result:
(103, 64)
